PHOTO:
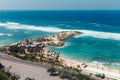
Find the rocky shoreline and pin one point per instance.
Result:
(35, 51)
(57, 40)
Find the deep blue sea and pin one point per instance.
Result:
(99, 44)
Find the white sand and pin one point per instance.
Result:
(110, 73)
(107, 73)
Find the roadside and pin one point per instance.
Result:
(37, 72)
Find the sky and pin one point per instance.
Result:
(59, 4)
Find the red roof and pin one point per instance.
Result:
(26, 41)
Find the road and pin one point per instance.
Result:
(26, 69)
(39, 71)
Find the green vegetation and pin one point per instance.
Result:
(69, 75)
(52, 71)
(102, 76)
(13, 49)
(37, 54)
(5, 74)
(29, 78)
(34, 54)
(84, 77)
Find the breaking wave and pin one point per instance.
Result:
(96, 34)
(97, 63)
(3, 34)
(113, 64)
(14, 26)
(116, 64)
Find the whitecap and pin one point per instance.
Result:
(98, 63)
(14, 26)
(116, 64)
(3, 34)
(91, 33)
(97, 34)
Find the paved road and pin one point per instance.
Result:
(37, 71)
(26, 69)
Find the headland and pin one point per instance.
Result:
(35, 50)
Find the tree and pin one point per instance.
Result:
(7, 75)
(14, 49)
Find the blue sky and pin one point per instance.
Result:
(59, 4)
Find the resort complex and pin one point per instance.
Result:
(37, 52)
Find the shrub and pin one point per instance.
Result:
(52, 69)
(7, 75)
(102, 76)
(29, 78)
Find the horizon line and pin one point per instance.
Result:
(56, 10)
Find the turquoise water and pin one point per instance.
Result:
(100, 42)
(101, 51)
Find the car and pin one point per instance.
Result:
(1, 66)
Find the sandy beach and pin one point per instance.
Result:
(93, 68)
(40, 72)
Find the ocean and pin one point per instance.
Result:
(100, 43)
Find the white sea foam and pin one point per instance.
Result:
(96, 34)
(116, 64)
(105, 63)
(14, 26)
(3, 34)
(97, 63)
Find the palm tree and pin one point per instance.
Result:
(41, 57)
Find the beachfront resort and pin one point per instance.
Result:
(36, 51)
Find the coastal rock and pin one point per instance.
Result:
(67, 34)
(57, 40)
